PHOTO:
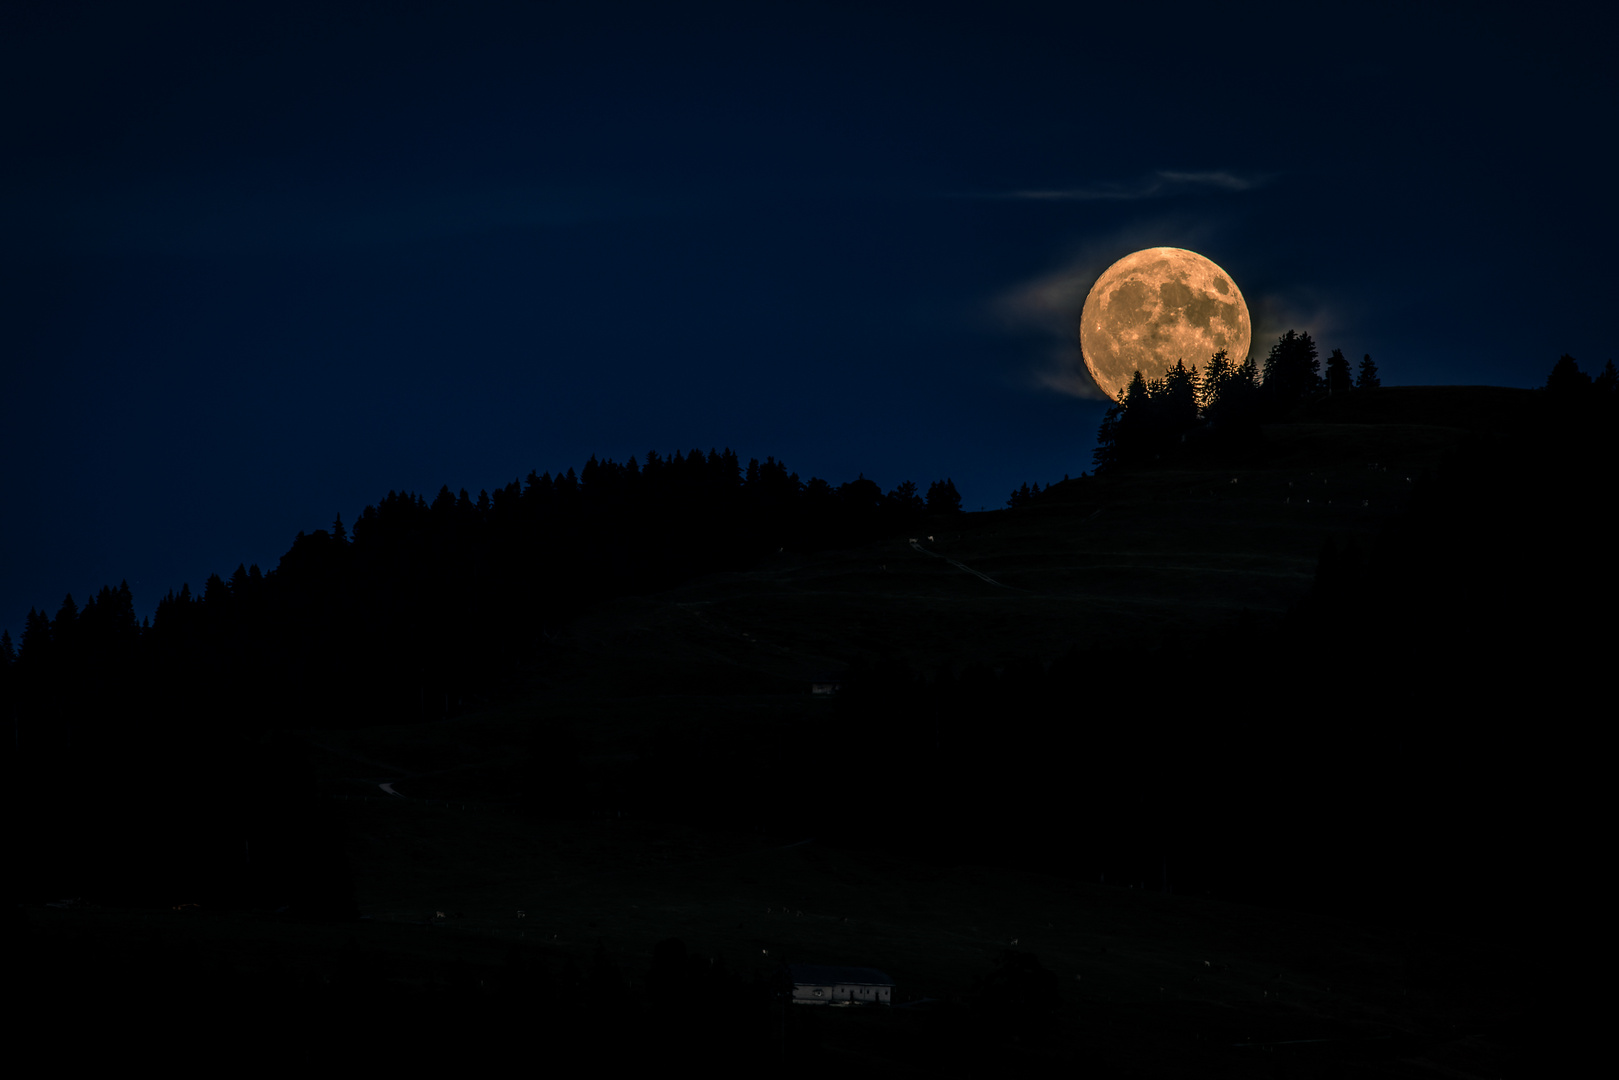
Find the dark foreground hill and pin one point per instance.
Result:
(1303, 713)
(495, 938)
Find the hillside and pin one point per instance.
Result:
(1123, 558)
(1147, 984)
(662, 771)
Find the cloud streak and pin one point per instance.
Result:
(1160, 184)
(1047, 308)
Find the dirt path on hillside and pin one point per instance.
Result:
(963, 566)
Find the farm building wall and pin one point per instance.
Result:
(832, 993)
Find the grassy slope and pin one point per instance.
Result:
(1128, 557)
(1137, 995)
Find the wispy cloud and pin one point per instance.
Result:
(1046, 308)
(1160, 184)
(1301, 309)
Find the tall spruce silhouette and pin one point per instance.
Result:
(1216, 373)
(1338, 379)
(1566, 379)
(943, 498)
(1292, 372)
(1366, 378)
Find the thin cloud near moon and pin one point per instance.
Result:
(1159, 184)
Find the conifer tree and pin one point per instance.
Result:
(214, 593)
(943, 498)
(905, 500)
(1180, 399)
(1246, 375)
(1135, 392)
(123, 613)
(1567, 379)
(1367, 379)
(65, 627)
(1132, 432)
(1338, 377)
(1234, 412)
(36, 639)
(1607, 383)
(1106, 454)
(1216, 373)
(1292, 371)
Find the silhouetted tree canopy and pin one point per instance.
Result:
(1022, 496)
(943, 498)
(1567, 380)
(426, 605)
(1216, 373)
(1292, 372)
(1221, 408)
(1338, 379)
(1367, 377)
(1608, 381)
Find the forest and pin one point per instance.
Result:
(430, 604)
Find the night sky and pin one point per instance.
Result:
(263, 264)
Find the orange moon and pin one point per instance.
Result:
(1157, 306)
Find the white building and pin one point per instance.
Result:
(825, 682)
(821, 984)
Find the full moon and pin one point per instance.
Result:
(1158, 306)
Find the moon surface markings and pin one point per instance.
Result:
(1157, 306)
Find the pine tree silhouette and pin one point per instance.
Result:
(1607, 382)
(1338, 379)
(1292, 372)
(1106, 454)
(1566, 379)
(1180, 399)
(942, 497)
(1367, 378)
(1216, 373)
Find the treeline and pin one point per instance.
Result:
(125, 730)
(430, 603)
(1221, 406)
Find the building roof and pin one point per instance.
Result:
(828, 975)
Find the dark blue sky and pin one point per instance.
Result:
(261, 264)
